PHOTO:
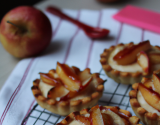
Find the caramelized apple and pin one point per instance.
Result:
(84, 120)
(150, 96)
(48, 80)
(107, 119)
(143, 61)
(96, 117)
(68, 77)
(86, 82)
(154, 58)
(156, 81)
(85, 74)
(57, 92)
(71, 94)
(148, 84)
(76, 70)
(68, 96)
(129, 54)
(115, 118)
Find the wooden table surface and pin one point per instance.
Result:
(8, 62)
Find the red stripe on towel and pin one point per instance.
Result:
(70, 42)
(16, 90)
(92, 41)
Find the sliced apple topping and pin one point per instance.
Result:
(107, 119)
(148, 84)
(96, 117)
(150, 96)
(84, 120)
(143, 61)
(58, 92)
(156, 80)
(114, 115)
(104, 116)
(83, 87)
(129, 54)
(66, 82)
(154, 58)
(46, 78)
(86, 82)
(85, 74)
(76, 70)
(45, 88)
(68, 77)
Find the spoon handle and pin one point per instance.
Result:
(58, 12)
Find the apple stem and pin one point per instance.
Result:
(13, 24)
(23, 29)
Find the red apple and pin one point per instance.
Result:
(27, 32)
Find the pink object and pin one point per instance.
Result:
(140, 17)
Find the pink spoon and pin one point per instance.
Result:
(91, 32)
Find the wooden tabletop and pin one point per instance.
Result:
(8, 62)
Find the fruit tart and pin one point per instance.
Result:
(145, 99)
(100, 115)
(128, 63)
(67, 89)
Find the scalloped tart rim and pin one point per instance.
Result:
(133, 119)
(146, 117)
(66, 107)
(119, 76)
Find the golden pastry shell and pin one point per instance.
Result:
(146, 117)
(119, 76)
(133, 119)
(66, 107)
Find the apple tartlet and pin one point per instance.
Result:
(145, 99)
(128, 63)
(100, 115)
(67, 89)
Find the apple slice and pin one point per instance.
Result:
(156, 81)
(150, 96)
(75, 69)
(148, 84)
(86, 83)
(84, 120)
(68, 77)
(49, 80)
(85, 74)
(72, 94)
(69, 95)
(57, 92)
(107, 119)
(115, 116)
(129, 54)
(143, 61)
(154, 58)
(96, 116)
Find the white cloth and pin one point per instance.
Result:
(71, 46)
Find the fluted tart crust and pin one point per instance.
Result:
(100, 115)
(62, 98)
(128, 73)
(145, 98)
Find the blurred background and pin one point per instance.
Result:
(6, 5)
